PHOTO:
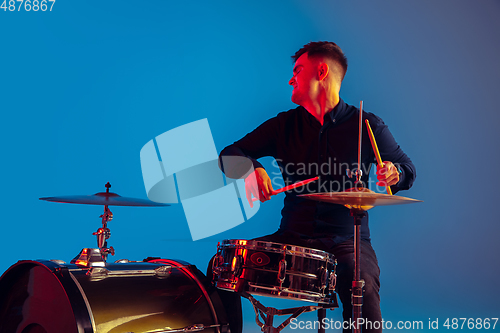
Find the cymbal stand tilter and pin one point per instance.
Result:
(267, 314)
(104, 233)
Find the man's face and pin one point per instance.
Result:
(304, 80)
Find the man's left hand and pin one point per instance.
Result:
(387, 175)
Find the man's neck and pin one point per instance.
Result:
(320, 108)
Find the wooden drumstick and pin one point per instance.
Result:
(291, 187)
(375, 150)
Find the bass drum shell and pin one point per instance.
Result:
(47, 297)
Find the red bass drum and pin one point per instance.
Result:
(159, 295)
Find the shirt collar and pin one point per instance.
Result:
(338, 111)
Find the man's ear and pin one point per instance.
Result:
(322, 71)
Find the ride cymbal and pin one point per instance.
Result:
(363, 200)
(104, 198)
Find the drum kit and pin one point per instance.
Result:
(158, 295)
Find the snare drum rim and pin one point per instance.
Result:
(294, 250)
(290, 293)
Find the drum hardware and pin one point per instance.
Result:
(102, 272)
(322, 277)
(90, 257)
(332, 280)
(282, 270)
(357, 283)
(104, 233)
(237, 265)
(281, 273)
(217, 265)
(268, 313)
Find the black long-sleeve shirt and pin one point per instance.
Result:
(304, 149)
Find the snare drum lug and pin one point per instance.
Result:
(332, 281)
(218, 260)
(217, 268)
(322, 278)
(237, 265)
(282, 272)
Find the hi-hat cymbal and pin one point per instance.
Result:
(363, 200)
(104, 198)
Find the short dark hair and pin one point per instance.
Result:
(326, 49)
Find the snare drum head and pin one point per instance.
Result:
(42, 296)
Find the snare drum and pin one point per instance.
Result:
(274, 269)
(156, 296)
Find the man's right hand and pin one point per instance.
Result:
(259, 185)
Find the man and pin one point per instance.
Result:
(320, 138)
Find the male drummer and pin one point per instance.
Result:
(320, 138)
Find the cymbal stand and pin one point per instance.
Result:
(358, 214)
(357, 283)
(104, 233)
(267, 314)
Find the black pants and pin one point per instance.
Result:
(344, 253)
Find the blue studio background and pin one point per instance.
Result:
(85, 86)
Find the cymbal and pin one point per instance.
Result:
(104, 198)
(363, 200)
